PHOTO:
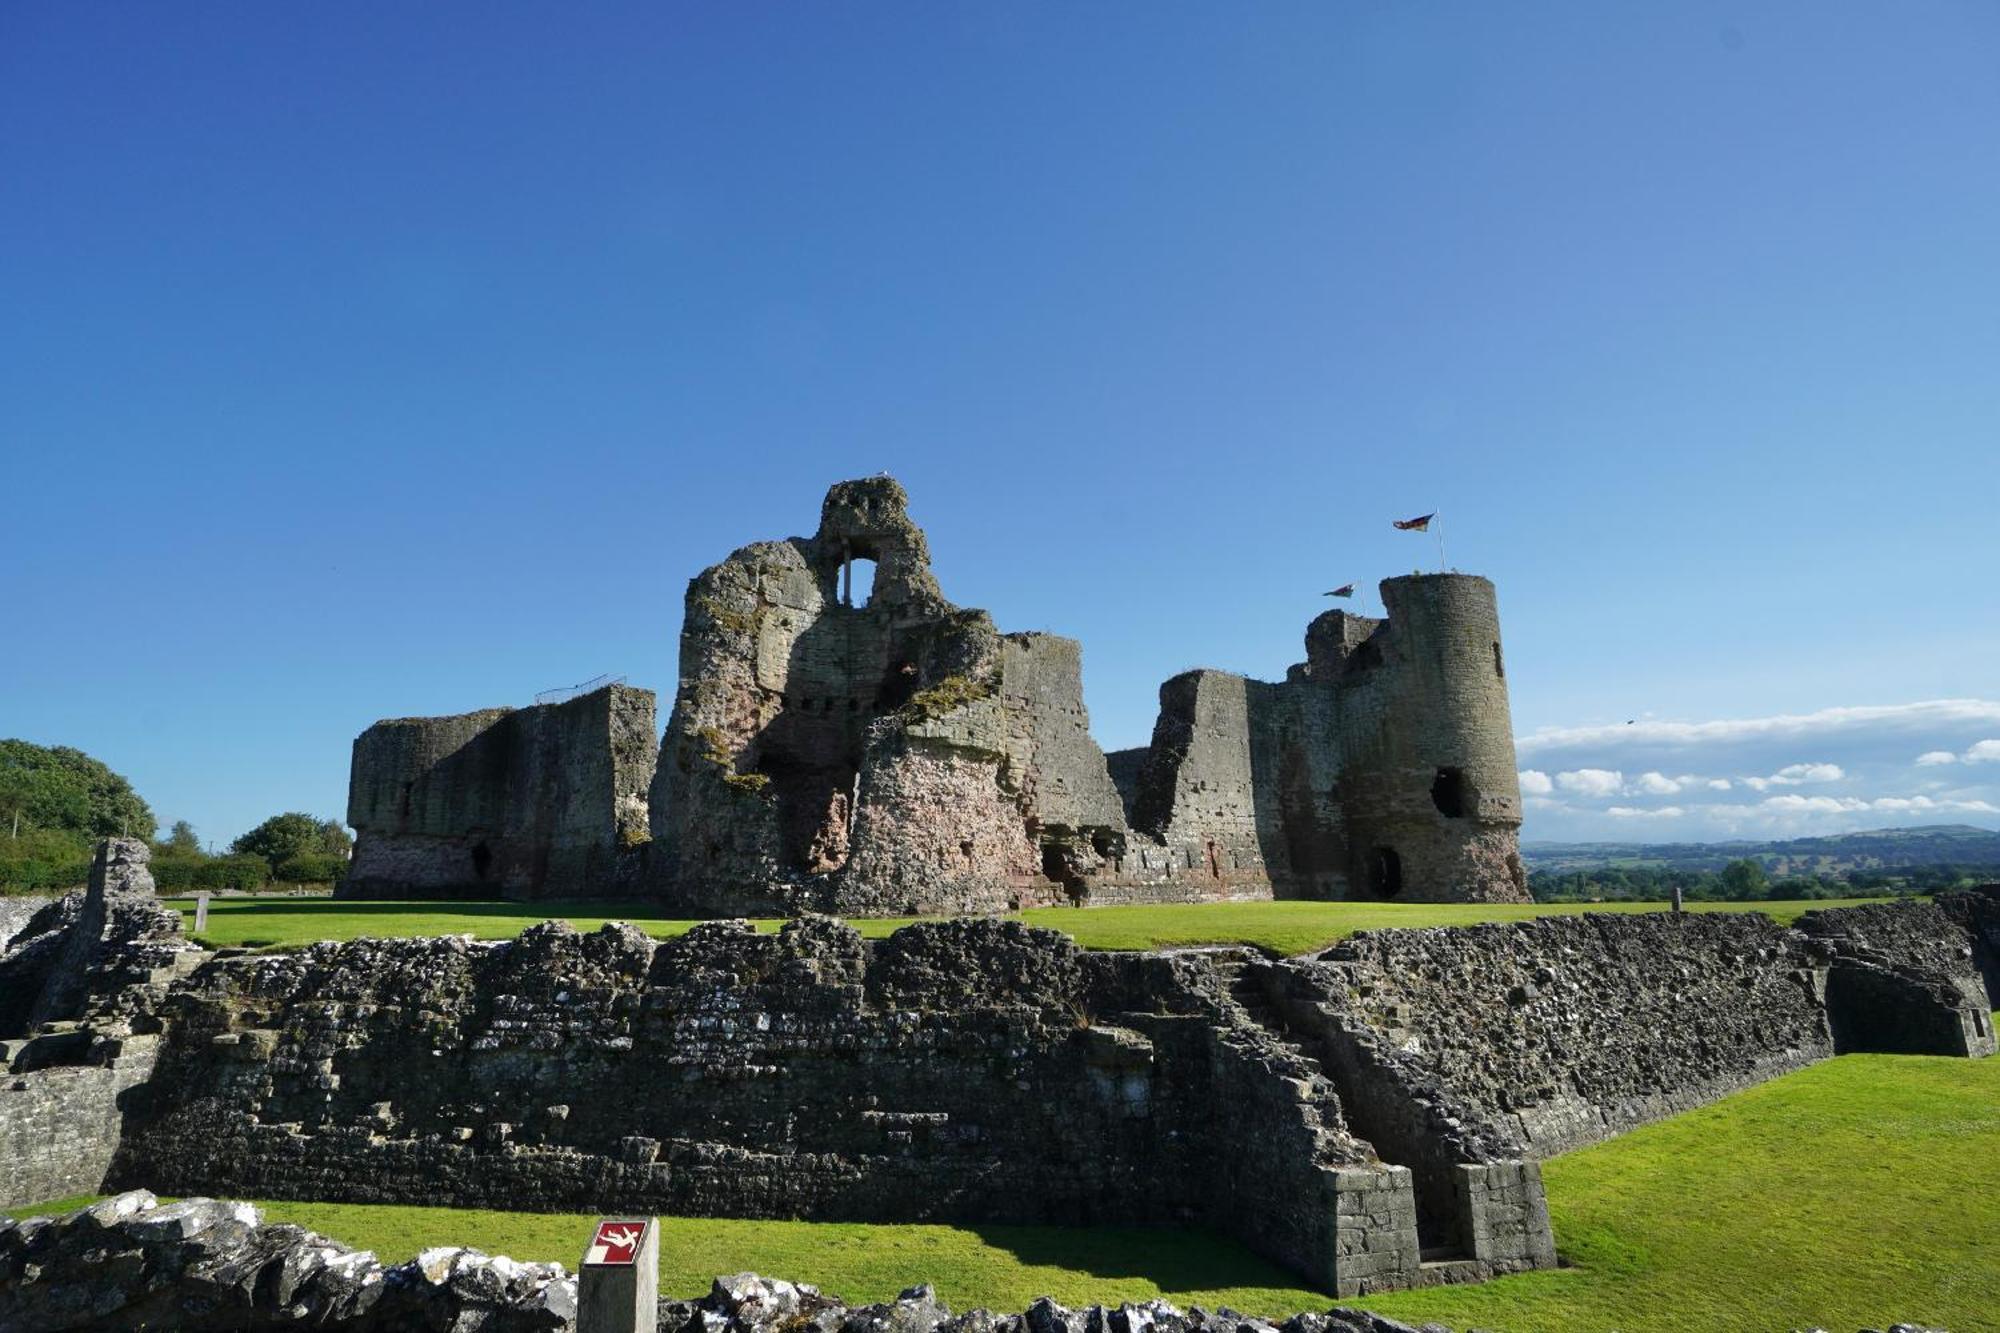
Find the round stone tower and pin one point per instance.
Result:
(1430, 796)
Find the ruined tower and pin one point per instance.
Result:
(889, 754)
(1430, 799)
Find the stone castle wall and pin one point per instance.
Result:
(524, 803)
(968, 1071)
(901, 755)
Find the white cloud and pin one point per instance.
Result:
(1796, 775)
(1825, 805)
(1928, 713)
(1592, 781)
(1921, 803)
(1835, 770)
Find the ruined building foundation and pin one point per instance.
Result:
(1370, 1117)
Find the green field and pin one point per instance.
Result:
(1860, 1191)
(1288, 927)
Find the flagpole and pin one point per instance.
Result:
(1437, 519)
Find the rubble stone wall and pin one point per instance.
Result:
(524, 803)
(1904, 978)
(966, 1070)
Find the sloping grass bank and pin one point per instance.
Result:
(1860, 1191)
(1288, 927)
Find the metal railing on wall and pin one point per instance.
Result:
(562, 694)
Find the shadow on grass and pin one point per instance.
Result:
(535, 911)
(1177, 1260)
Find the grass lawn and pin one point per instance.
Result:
(1289, 927)
(1860, 1191)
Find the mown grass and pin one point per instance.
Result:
(1288, 927)
(1857, 1192)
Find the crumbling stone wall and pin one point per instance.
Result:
(1381, 767)
(964, 1070)
(1370, 1117)
(901, 755)
(78, 993)
(548, 801)
(1977, 912)
(131, 1263)
(1904, 979)
(896, 756)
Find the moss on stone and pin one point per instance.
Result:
(747, 782)
(952, 692)
(742, 622)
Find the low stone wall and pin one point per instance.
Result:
(1531, 1038)
(970, 1070)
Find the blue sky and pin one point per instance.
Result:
(374, 359)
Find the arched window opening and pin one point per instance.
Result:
(1499, 665)
(857, 576)
(482, 860)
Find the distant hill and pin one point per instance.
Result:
(1843, 853)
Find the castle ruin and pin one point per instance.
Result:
(903, 755)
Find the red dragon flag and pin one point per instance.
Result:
(1344, 590)
(1415, 524)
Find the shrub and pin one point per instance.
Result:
(311, 868)
(243, 873)
(34, 875)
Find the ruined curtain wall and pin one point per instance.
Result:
(543, 801)
(1490, 1042)
(966, 1070)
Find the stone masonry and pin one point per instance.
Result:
(1371, 1117)
(78, 989)
(540, 802)
(899, 754)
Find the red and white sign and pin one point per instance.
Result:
(615, 1243)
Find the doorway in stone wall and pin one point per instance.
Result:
(1385, 872)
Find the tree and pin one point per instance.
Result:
(181, 840)
(1743, 879)
(333, 838)
(63, 789)
(281, 837)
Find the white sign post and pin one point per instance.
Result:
(618, 1283)
(200, 913)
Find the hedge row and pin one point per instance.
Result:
(179, 874)
(243, 873)
(37, 875)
